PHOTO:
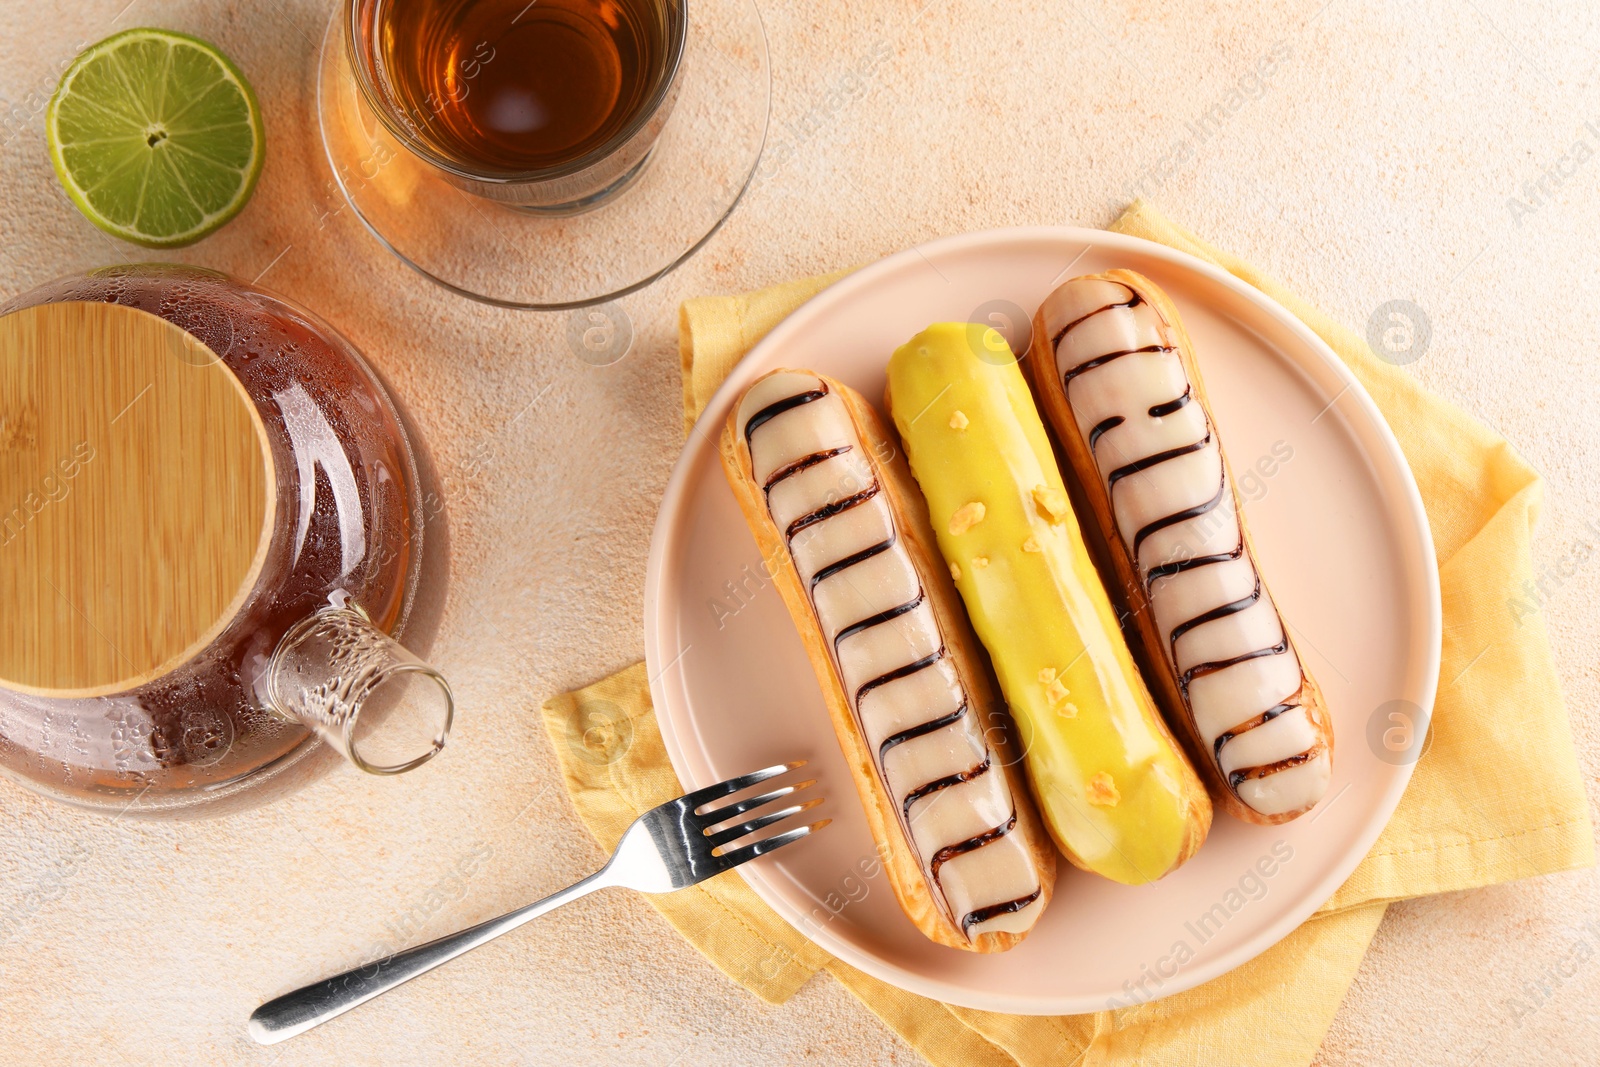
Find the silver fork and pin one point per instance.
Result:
(667, 848)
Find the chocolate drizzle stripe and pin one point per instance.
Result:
(803, 463)
(778, 407)
(899, 672)
(1135, 298)
(1245, 727)
(1214, 614)
(876, 620)
(1244, 774)
(1177, 517)
(1161, 411)
(1167, 570)
(1101, 361)
(1101, 427)
(994, 911)
(943, 783)
(922, 729)
(852, 559)
(1200, 670)
(1154, 461)
(971, 844)
(828, 511)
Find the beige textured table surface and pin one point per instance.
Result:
(1379, 160)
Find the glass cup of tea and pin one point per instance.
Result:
(549, 154)
(550, 105)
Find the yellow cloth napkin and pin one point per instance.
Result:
(1497, 796)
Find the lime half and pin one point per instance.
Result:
(156, 136)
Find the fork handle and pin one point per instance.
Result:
(296, 1012)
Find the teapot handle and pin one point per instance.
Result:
(363, 692)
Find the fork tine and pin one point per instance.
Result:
(733, 785)
(737, 808)
(744, 829)
(761, 848)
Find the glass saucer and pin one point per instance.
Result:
(520, 258)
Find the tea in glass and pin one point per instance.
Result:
(508, 95)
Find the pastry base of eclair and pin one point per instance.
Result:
(904, 868)
(1147, 643)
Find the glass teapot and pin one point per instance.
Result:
(211, 534)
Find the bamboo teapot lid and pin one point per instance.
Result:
(136, 498)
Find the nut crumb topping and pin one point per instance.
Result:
(979, 562)
(955, 572)
(1102, 791)
(959, 420)
(1052, 503)
(1031, 545)
(966, 517)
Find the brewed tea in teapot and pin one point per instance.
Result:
(210, 534)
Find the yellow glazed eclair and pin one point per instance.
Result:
(1112, 784)
(845, 537)
(1117, 378)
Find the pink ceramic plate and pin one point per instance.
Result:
(1341, 537)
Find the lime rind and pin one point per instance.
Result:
(223, 144)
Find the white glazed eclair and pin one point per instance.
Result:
(845, 536)
(1118, 381)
